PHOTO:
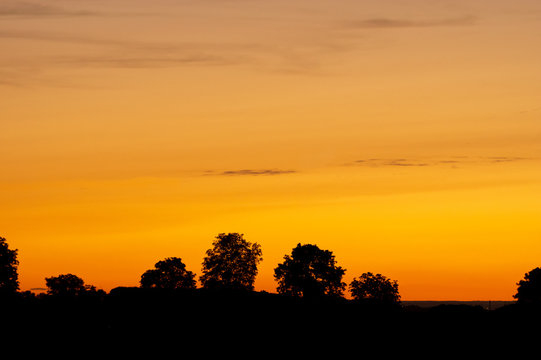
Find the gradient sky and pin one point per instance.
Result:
(403, 135)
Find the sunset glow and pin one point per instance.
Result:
(404, 136)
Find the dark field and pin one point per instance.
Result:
(229, 317)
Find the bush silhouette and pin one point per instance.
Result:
(231, 263)
(376, 288)
(309, 272)
(9, 278)
(170, 273)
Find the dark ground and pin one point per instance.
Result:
(261, 324)
(487, 305)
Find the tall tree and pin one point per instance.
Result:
(310, 272)
(529, 289)
(9, 278)
(170, 273)
(231, 263)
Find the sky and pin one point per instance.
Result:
(403, 135)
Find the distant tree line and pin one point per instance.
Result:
(232, 263)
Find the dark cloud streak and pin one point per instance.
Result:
(455, 161)
(386, 23)
(145, 61)
(252, 172)
(23, 8)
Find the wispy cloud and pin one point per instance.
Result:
(125, 44)
(57, 37)
(146, 61)
(500, 159)
(251, 172)
(452, 161)
(390, 162)
(24, 8)
(118, 53)
(383, 23)
(309, 56)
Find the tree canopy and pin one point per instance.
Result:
(529, 289)
(231, 263)
(309, 272)
(375, 288)
(9, 278)
(68, 285)
(170, 273)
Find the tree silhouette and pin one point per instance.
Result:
(231, 263)
(170, 273)
(529, 289)
(68, 285)
(309, 272)
(376, 288)
(9, 282)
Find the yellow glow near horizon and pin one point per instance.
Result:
(403, 137)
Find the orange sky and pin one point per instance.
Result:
(404, 136)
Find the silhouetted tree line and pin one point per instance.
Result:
(231, 264)
(306, 315)
(308, 272)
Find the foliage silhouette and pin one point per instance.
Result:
(69, 285)
(231, 263)
(529, 289)
(309, 272)
(375, 288)
(9, 278)
(170, 273)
